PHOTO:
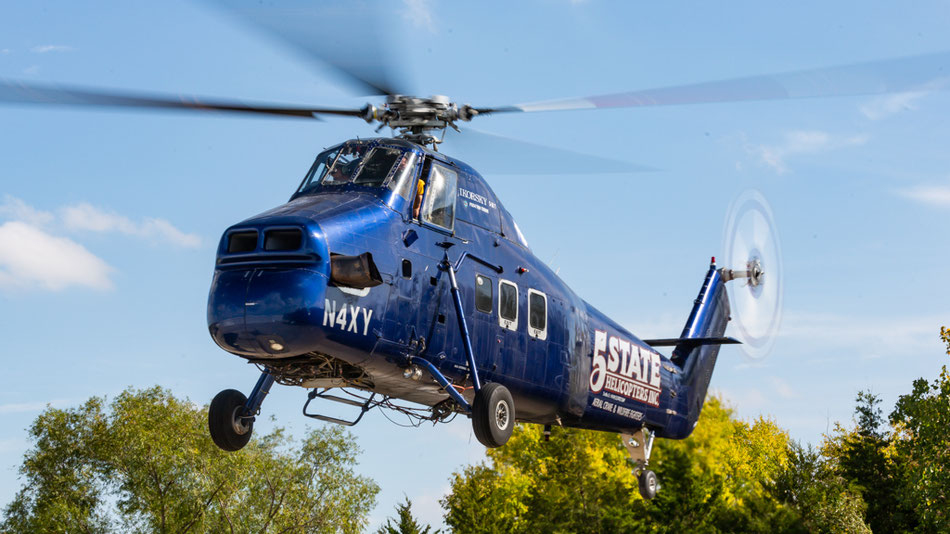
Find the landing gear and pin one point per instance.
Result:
(493, 415)
(648, 484)
(230, 428)
(640, 445)
(231, 414)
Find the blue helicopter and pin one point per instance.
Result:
(395, 278)
(395, 270)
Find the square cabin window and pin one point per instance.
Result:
(537, 314)
(483, 294)
(439, 205)
(508, 305)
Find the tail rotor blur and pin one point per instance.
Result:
(753, 258)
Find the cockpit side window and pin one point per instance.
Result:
(404, 179)
(319, 169)
(438, 207)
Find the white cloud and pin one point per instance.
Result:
(44, 49)
(884, 106)
(30, 257)
(803, 142)
(15, 209)
(85, 217)
(934, 195)
(419, 13)
(4, 51)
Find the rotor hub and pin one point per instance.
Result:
(414, 118)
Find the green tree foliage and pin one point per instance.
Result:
(921, 421)
(863, 456)
(824, 501)
(146, 464)
(718, 480)
(406, 523)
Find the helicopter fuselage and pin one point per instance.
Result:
(277, 300)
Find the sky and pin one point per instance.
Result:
(109, 220)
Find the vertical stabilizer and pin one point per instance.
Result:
(708, 319)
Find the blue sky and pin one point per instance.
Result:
(109, 220)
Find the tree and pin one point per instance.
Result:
(863, 457)
(581, 481)
(406, 524)
(921, 420)
(823, 500)
(146, 464)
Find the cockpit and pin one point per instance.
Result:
(362, 163)
(427, 188)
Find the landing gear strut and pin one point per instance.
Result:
(640, 445)
(231, 414)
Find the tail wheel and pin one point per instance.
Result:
(230, 429)
(493, 415)
(648, 484)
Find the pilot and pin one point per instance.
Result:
(337, 174)
(417, 204)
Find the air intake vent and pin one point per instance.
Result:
(242, 241)
(289, 239)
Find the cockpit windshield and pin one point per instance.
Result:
(360, 163)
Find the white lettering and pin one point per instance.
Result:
(341, 317)
(624, 357)
(367, 315)
(613, 361)
(598, 373)
(329, 312)
(354, 315)
(655, 367)
(347, 318)
(620, 367)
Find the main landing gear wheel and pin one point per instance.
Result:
(493, 415)
(230, 429)
(648, 484)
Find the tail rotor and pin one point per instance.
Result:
(753, 259)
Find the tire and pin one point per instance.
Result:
(228, 431)
(493, 415)
(648, 485)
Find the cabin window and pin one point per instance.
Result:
(537, 314)
(508, 305)
(483, 293)
(438, 207)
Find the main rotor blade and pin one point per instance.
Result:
(495, 154)
(929, 72)
(347, 36)
(20, 92)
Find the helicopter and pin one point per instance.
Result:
(395, 271)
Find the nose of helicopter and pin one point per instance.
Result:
(268, 290)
